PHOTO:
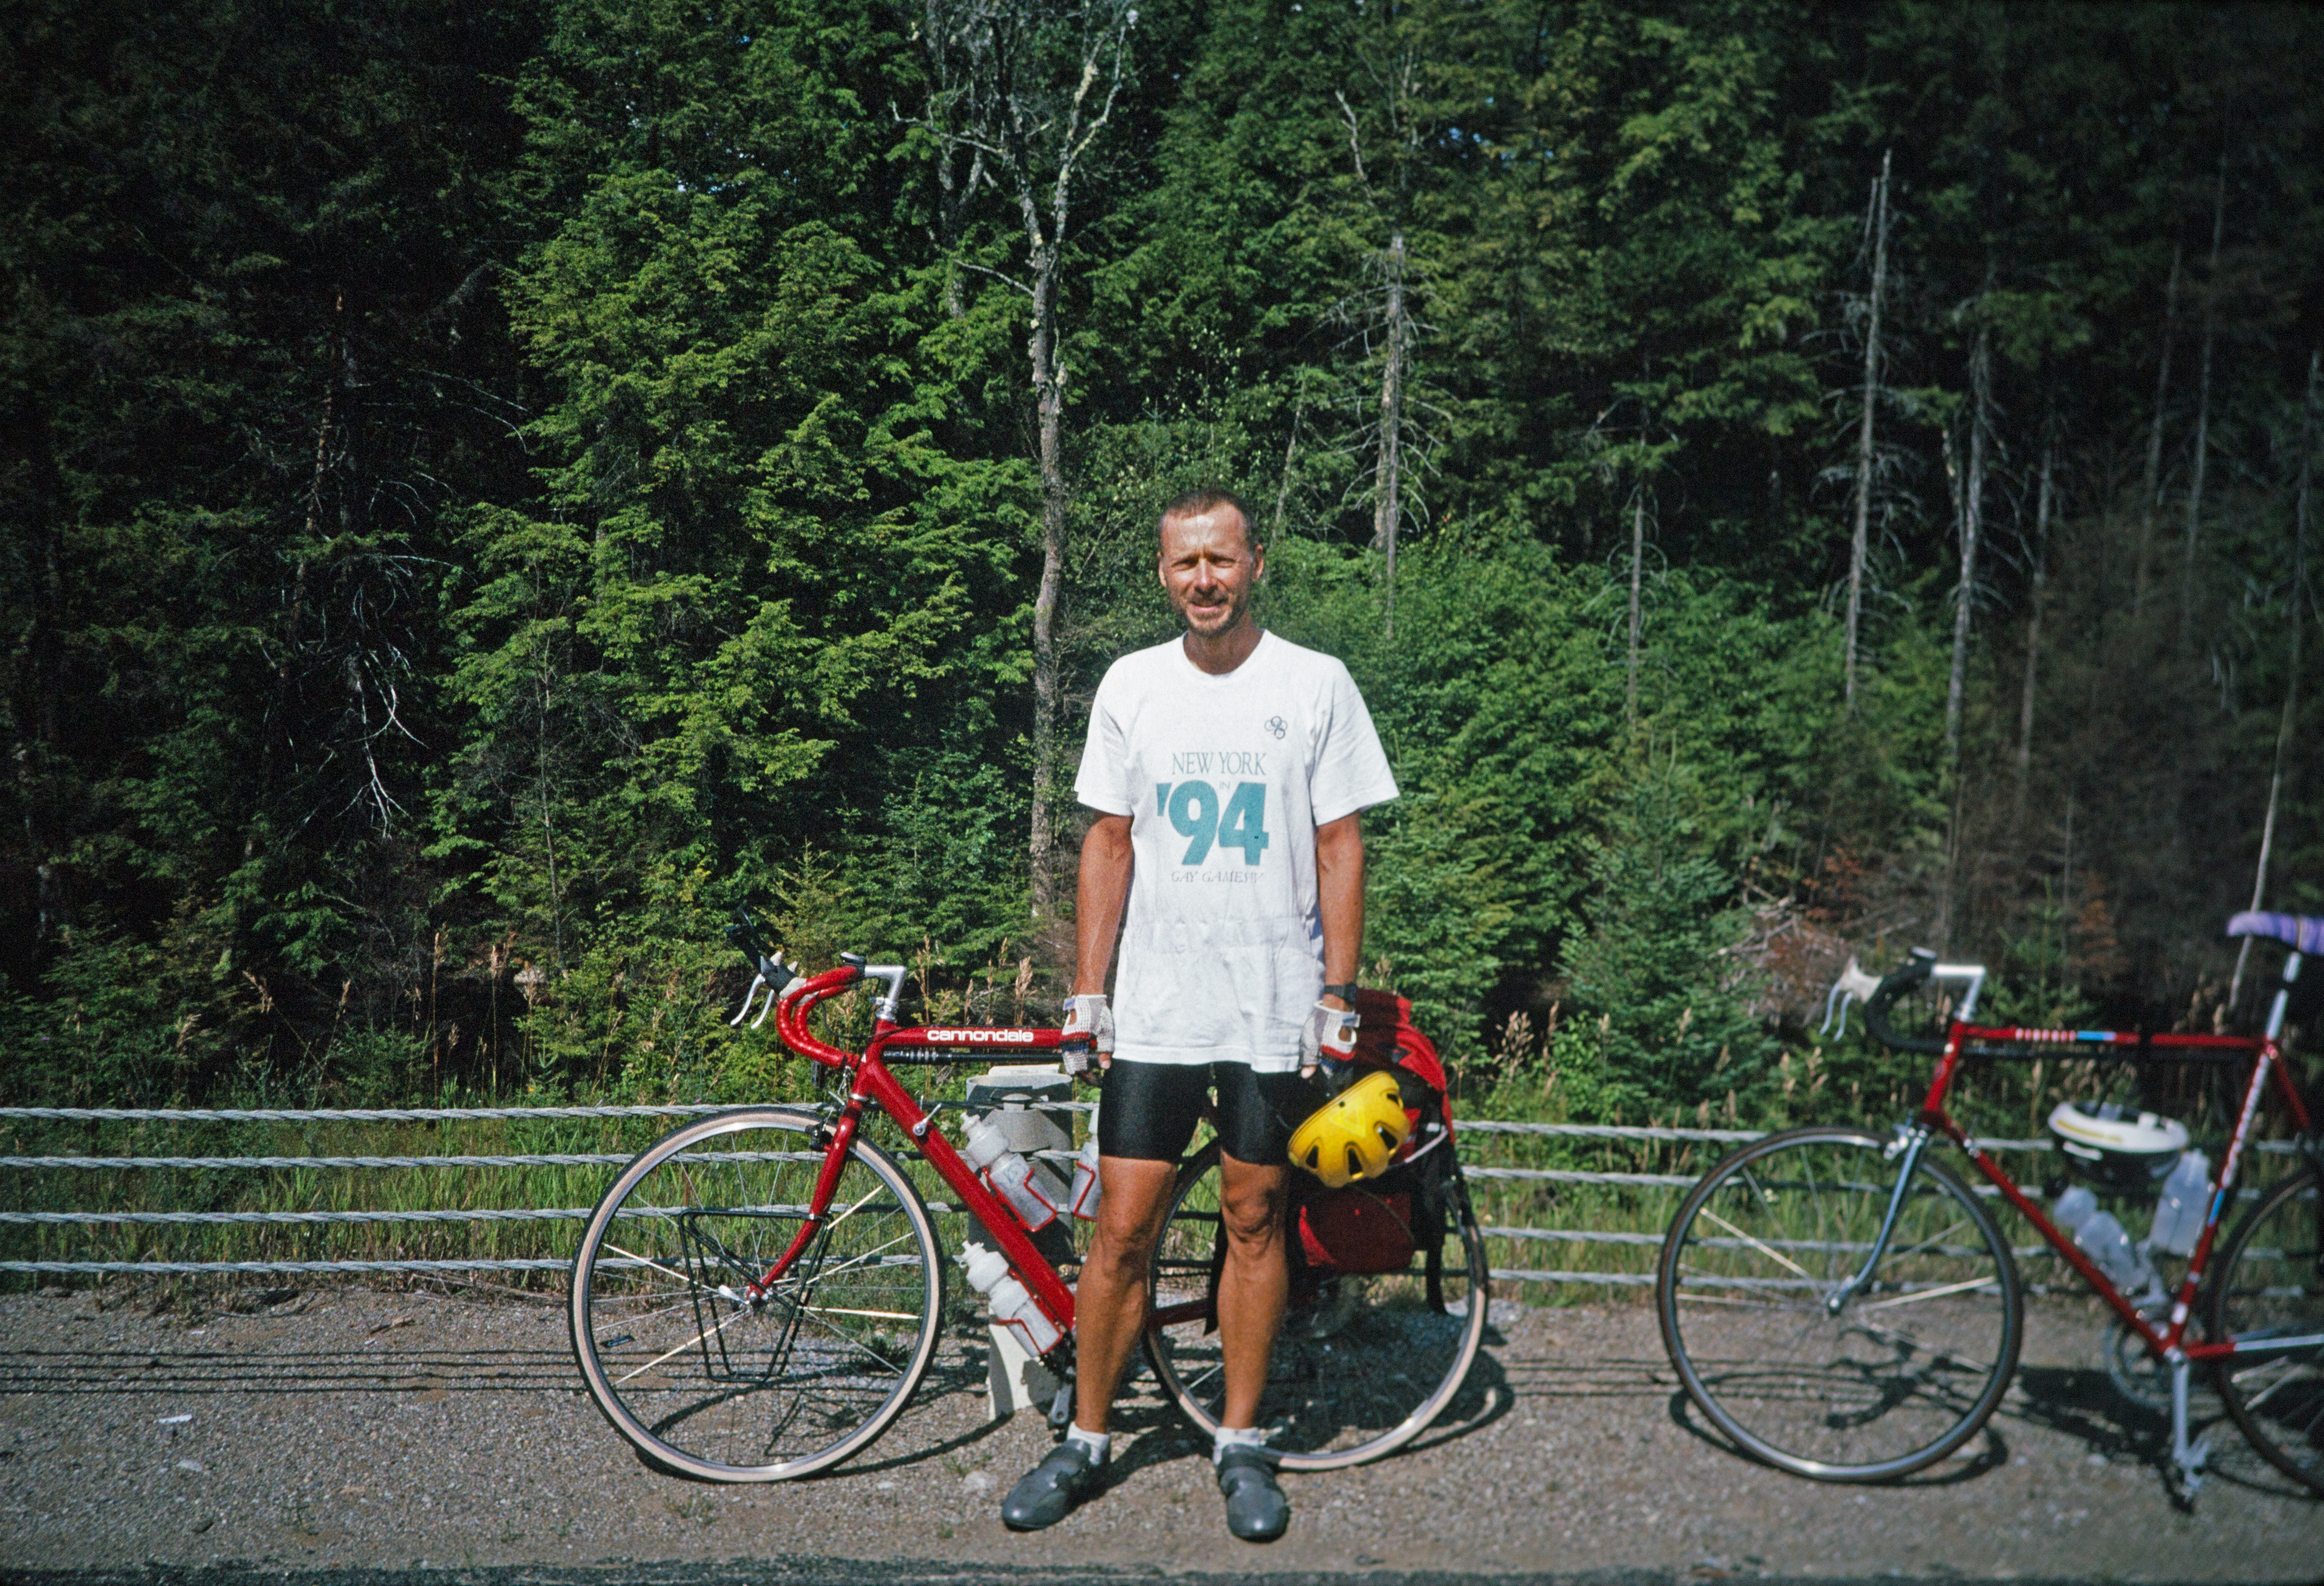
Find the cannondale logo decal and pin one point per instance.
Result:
(1278, 725)
(979, 1038)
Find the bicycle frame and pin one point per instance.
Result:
(2168, 1341)
(871, 1085)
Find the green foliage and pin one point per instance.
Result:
(488, 492)
(1661, 994)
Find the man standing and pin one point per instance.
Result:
(1228, 769)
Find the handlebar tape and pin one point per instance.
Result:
(1912, 976)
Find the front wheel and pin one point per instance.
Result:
(1893, 1377)
(2269, 1301)
(1363, 1365)
(705, 1380)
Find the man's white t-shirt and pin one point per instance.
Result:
(1225, 779)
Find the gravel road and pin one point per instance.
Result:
(364, 1436)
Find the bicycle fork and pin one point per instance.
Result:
(1911, 1140)
(2186, 1459)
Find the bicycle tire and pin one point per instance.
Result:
(706, 1385)
(1871, 1393)
(1358, 1372)
(2270, 1281)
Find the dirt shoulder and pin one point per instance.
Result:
(374, 1436)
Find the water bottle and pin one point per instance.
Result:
(2104, 1241)
(2179, 1216)
(1012, 1304)
(1032, 1190)
(2072, 1209)
(1085, 1192)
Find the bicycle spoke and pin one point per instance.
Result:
(854, 1262)
(1755, 1244)
(1934, 1243)
(2300, 1372)
(1361, 1363)
(702, 1336)
(2268, 1302)
(1929, 1294)
(1793, 1220)
(712, 1382)
(813, 1320)
(690, 1282)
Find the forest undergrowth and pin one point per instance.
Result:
(487, 493)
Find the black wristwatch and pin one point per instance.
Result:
(1345, 992)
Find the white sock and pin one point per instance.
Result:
(1227, 1437)
(1097, 1442)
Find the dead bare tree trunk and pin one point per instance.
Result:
(1969, 513)
(2292, 679)
(1971, 524)
(956, 191)
(2202, 411)
(1638, 566)
(1029, 88)
(1049, 385)
(1388, 482)
(2151, 483)
(2033, 628)
(1859, 540)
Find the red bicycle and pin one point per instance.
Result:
(759, 1295)
(1844, 1306)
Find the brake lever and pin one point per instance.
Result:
(778, 977)
(1855, 983)
(750, 997)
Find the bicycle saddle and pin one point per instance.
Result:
(2302, 932)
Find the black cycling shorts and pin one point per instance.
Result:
(1148, 1110)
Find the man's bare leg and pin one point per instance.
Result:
(1256, 1283)
(1110, 1301)
(1108, 1315)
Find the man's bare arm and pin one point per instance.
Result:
(1340, 880)
(1103, 888)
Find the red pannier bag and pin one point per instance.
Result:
(1353, 1230)
(1368, 1228)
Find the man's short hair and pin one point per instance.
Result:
(1209, 498)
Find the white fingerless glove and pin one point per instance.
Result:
(1329, 1036)
(1088, 1015)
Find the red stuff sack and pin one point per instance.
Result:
(1386, 1037)
(1354, 1230)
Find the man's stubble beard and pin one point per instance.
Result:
(1236, 610)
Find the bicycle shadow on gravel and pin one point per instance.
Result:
(1484, 1397)
(1151, 1430)
(2085, 1405)
(954, 1380)
(1992, 1452)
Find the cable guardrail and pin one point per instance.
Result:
(1488, 1173)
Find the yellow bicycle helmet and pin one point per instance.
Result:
(1356, 1134)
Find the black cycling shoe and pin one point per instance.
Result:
(1049, 1490)
(1256, 1510)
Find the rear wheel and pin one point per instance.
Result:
(710, 1383)
(1894, 1377)
(2269, 1299)
(1363, 1365)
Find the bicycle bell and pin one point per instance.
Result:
(2116, 1147)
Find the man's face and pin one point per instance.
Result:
(1208, 567)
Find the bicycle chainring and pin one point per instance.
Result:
(2137, 1375)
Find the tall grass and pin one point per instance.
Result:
(2001, 1100)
